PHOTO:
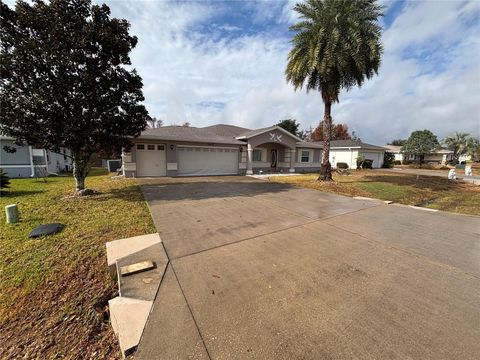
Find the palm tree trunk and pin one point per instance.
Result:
(326, 169)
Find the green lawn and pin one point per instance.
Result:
(53, 290)
(432, 192)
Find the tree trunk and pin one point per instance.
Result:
(326, 169)
(81, 167)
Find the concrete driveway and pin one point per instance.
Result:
(263, 270)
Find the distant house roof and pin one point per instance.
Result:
(394, 148)
(442, 151)
(354, 144)
(398, 150)
(221, 134)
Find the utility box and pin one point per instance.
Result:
(114, 165)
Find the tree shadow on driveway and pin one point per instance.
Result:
(201, 190)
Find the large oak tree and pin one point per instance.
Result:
(336, 46)
(67, 81)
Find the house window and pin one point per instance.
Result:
(150, 147)
(140, 147)
(305, 156)
(257, 155)
(161, 147)
(64, 155)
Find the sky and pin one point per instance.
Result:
(209, 62)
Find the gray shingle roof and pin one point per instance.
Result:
(311, 145)
(222, 134)
(251, 133)
(353, 143)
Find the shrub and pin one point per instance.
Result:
(388, 160)
(367, 164)
(4, 179)
(397, 162)
(342, 165)
(360, 160)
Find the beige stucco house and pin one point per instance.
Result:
(218, 150)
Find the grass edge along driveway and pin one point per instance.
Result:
(53, 290)
(425, 191)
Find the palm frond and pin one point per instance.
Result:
(336, 45)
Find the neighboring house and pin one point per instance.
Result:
(396, 150)
(347, 151)
(27, 161)
(218, 150)
(441, 156)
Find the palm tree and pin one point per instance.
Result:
(457, 143)
(336, 46)
(472, 147)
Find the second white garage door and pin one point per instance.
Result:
(207, 161)
(375, 157)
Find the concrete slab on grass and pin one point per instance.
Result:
(143, 285)
(128, 317)
(120, 248)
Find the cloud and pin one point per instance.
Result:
(210, 62)
(429, 77)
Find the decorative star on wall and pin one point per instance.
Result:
(275, 138)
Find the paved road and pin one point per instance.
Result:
(438, 173)
(263, 270)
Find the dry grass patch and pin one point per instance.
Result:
(53, 290)
(432, 192)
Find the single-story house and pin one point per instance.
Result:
(26, 161)
(395, 150)
(347, 151)
(218, 150)
(441, 156)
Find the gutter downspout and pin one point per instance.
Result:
(32, 168)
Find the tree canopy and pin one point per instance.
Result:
(290, 125)
(420, 143)
(336, 46)
(398, 142)
(66, 79)
(461, 144)
(338, 132)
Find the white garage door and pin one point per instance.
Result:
(373, 156)
(343, 156)
(151, 160)
(207, 161)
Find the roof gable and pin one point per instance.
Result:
(249, 134)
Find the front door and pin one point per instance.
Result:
(274, 157)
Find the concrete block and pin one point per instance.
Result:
(128, 317)
(11, 213)
(120, 248)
